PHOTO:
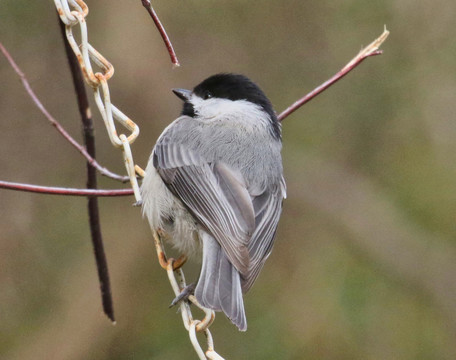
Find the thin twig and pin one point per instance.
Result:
(63, 191)
(162, 31)
(92, 203)
(56, 124)
(370, 50)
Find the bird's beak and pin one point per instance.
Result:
(183, 94)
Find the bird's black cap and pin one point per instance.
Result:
(233, 87)
(238, 87)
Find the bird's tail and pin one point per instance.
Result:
(219, 284)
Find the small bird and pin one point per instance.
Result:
(214, 182)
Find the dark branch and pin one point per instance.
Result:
(162, 31)
(56, 124)
(92, 204)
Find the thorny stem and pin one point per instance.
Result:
(50, 190)
(92, 202)
(370, 50)
(56, 124)
(162, 31)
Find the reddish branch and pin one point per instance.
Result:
(56, 124)
(50, 190)
(319, 89)
(162, 31)
(370, 50)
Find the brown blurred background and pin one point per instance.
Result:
(364, 265)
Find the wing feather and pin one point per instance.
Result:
(268, 207)
(214, 194)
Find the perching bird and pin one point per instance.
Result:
(215, 181)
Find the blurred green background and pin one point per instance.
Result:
(364, 265)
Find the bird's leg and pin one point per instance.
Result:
(185, 293)
(159, 234)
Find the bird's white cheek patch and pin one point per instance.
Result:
(240, 111)
(210, 108)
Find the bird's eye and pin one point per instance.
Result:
(207, 95)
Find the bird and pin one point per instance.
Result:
(214, 184)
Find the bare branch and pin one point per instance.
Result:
(56, 124)
(63, 191)
(162, 31)
(370, 50)
(89, 141)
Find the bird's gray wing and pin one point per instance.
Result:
(215, 194)
(268, 207)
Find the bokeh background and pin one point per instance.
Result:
(364, 265)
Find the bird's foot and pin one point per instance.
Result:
(185, 293)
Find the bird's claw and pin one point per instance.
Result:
(184, 294)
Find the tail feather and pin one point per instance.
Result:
(219, 284)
